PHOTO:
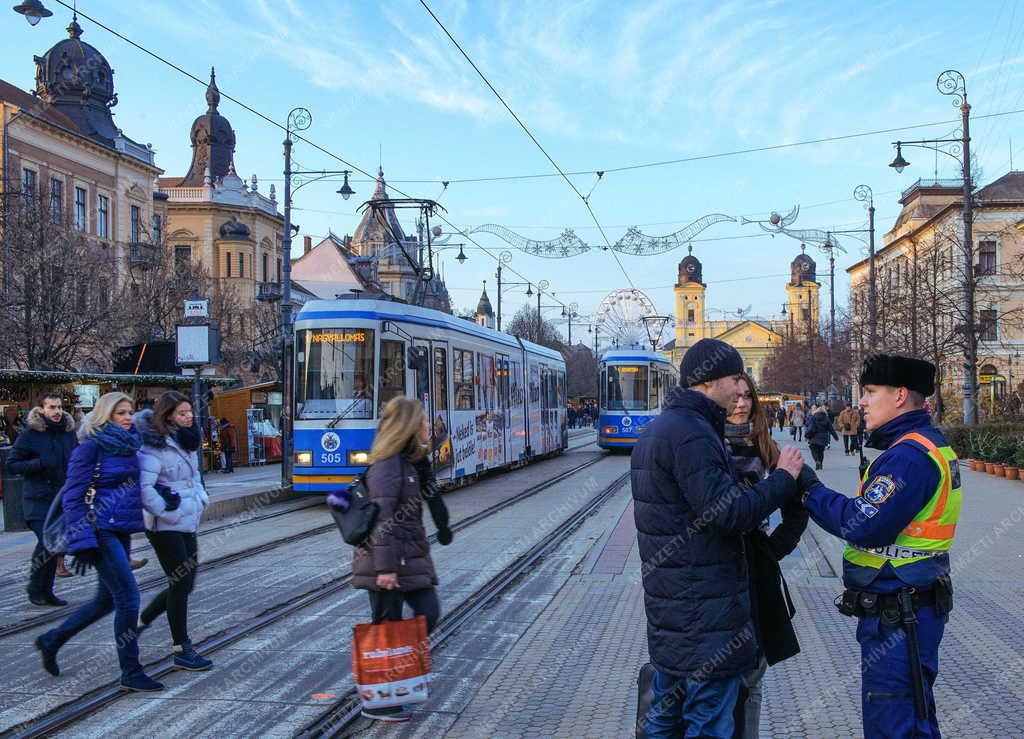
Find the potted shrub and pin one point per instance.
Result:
(1018, 462)
(1003, 454)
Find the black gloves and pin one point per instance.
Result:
(444, 536)
(85, 559)
(171, 499)
(807, 481)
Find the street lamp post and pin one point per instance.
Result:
(299, 119)
(864, 194)
(504, 258)
(952, 83)
(541, 287)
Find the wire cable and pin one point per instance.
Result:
(526, 130)
(274, 123)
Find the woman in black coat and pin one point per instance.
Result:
(819, 429)
(41, 455)
(754, 455)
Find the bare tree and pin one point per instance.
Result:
(581, 369)
(524, 325)
(56, 307)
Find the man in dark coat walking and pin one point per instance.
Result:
(690, 520)
(41, 456)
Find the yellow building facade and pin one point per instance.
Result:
(755, 338)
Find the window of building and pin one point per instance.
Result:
(103, 217)
(988, 319)
(690, 318)
(987, 258)
(158, 228)
(56, 197)
(135, 225)
(228, 261)
(182, 258)
(241, 264)
(80, 208)
(264, 263)
(28, 183)
(806, 313)
(279, 270)
(462, 375)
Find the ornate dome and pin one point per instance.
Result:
(76, 79)
(803, 269)
(372, 229)
(234, 230)
(690, 270)
(213, 141)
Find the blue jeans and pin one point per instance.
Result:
(117, 592)
(703, 708)
(886, 694)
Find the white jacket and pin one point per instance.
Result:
(163, 461)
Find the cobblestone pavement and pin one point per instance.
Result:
(280, 677)
(573, 672)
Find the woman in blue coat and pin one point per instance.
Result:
(102, 509)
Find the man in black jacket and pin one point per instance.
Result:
(41, 456)
(690, 519)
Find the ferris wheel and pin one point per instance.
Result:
(620, 318)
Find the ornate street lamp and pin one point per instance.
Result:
(345, 191)
(33, 10)
(952, 83)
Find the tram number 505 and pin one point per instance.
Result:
(331, 458)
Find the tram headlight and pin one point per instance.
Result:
(358, 458)
(611, 429)
(304, 459)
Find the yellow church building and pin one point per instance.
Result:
(755, 338)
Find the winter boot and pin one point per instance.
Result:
(187, 658)
(48, 651)
(140, 682)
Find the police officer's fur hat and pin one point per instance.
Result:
(899, 371)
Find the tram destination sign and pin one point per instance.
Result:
(337, 337)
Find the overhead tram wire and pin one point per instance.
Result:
(584, 198)
(294, 134)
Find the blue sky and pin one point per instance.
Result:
(602, 85)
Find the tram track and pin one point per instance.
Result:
(159, 581)
(92, 701)
(342, 716)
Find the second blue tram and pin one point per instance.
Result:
(632, 387)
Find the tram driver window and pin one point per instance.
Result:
(627, 388)
(334, 373)
(462, 376)
(392, 372)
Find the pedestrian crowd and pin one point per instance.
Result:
(581, 416)
(122, 473)
(706, 475)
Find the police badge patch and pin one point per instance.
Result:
(880, 489)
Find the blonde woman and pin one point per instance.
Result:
(99, 534)
(395, 566)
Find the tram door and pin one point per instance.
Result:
(438, 406)
(502, 372)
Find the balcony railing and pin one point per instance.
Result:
(268, 292)
(930, 182)
(142, 256)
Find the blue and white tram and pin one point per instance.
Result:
(495, 400)
(632, 387)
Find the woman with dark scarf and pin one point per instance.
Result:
(754, 455)
(174, 499)
(102, 509)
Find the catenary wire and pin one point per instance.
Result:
(274, 123)
(526, 130)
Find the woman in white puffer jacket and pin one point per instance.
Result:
(173, 498)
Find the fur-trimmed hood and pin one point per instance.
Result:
(37, 421)
(143, 421)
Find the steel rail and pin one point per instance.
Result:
(87, 704)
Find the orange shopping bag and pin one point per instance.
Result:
(391, 662)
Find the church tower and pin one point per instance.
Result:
(484, 313)
(802, 297)
(690, 293)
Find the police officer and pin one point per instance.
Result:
(898, 531)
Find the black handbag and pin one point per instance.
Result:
(353, 512)
(55, 530)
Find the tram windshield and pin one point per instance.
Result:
(627, 388)
(334, 373)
